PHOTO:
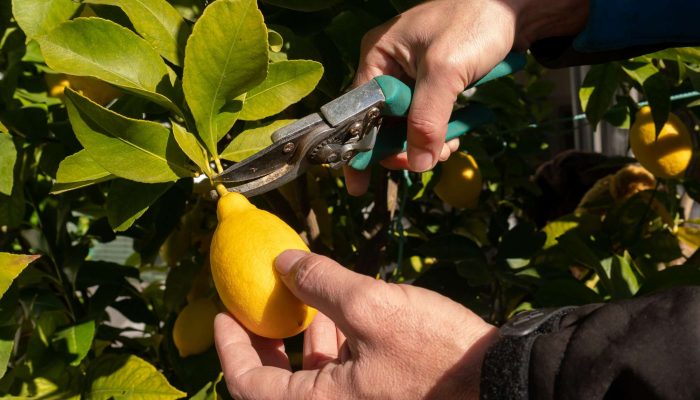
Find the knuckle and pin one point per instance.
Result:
(307, 270)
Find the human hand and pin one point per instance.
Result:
(445, 45)
(370, 340)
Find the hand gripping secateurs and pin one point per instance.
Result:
(345, 132)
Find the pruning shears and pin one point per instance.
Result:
(345, 132)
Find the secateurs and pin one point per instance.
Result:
(345, 132)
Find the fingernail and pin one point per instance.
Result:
(285, 261)
(420, 161)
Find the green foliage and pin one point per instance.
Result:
(105, 214)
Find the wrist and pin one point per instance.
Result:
(535, 21)
(476, 354)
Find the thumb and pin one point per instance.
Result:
(327, 286)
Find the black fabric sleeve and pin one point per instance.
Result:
(643, 348)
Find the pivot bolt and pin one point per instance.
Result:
(347, 155)
(333, 157)
(356, 128)
(288, 148)
(373, 113)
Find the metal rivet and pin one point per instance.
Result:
(373, 113)
(356, 128)
(333, 157)
(288, 148)
(347, 155)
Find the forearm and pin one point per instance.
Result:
(647, 346)
(618, 29)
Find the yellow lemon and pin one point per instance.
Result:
(630, 180)
(667, 156)
(460, 181)
(245, 244)
(193, 332)
(94, 89)
(200, 285)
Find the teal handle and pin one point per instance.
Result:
(398, 100)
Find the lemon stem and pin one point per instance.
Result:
(219, 167)
(221, 189)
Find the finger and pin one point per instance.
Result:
(453, 145)
(356, 182)
(246, 377)
(270, 351)
(398, 161)
(320, 343)
(435, 93)
(445, 152)
(331, 288)
(341, 340)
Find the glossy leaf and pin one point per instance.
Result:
(38, 17)
(128, 200)
(79, 170)
(75, 341)
(10, 267)
(598, 89)
(252, 140)
(287, 82)
(127, 376)
(624, 280)
(191, 146)
(122, 58)
(656, 89)
(225, 57)
(8, 156)
(274, 40)
(7, 341)
(137, 150)
(159, 23)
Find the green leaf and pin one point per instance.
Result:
(10, 267)
(624, 280)
(554, 229)
(75, 341)
(127, 377)
(122, 58)
(274, 40)
(451, 247)
(304, 5)
(687, 54)
(225, 57)
(191, 146)
(287, 82)
(252, 140)
(683, 275)
(656, 89)
(159, 23)
(137, 150)
(127, 201)
(565, 292)
(7, 342)
(598, 89)
(79, 170)
(8, 156)
(521, 242)
(38, 17)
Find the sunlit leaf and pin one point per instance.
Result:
(137, 150)
(557, 228)
(274, 40)
(656, 89)
(252, 140)
(8, 156)
(127, 376)
(598, 89)
(75, 341)
(689, 235)
(10, 267)
(287, 82)
(37, 17)
(159, 23)
(122, 58)
(624, 280)
(79, 170)
(128, 200)
(191, 146)
(225, 57)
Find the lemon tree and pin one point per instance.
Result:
(115, 114)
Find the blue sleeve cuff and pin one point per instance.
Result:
(621, 24)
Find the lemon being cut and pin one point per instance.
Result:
(193, 332)
(460, 181)
(243, 250)
(667, 156)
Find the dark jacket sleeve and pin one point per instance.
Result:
(643, 348)
(619, 29)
